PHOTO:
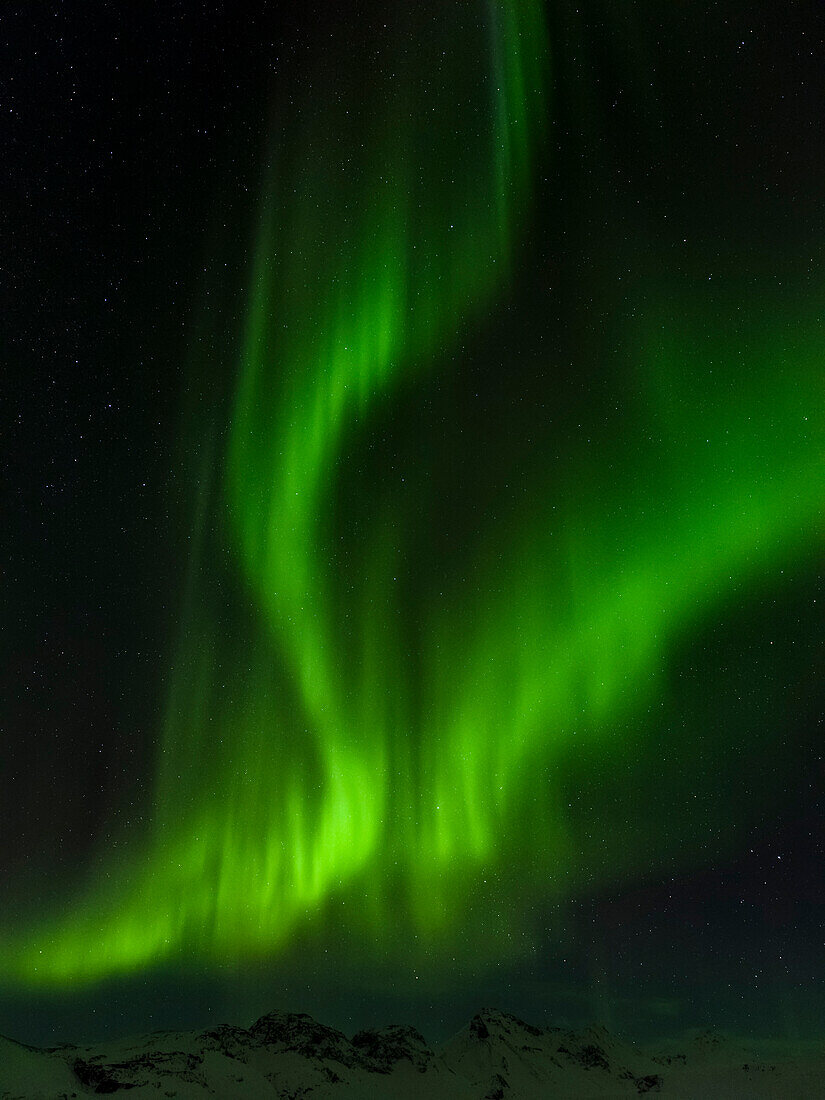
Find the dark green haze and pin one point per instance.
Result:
(458, 643)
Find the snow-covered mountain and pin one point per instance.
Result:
(290, 1056)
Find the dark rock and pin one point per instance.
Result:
(668, 1059)
(593, 1057)
(498, 1088)
(478, 1029)
(385, 1047)
(504, 1021)
(651, 1083)
(300, 1033)
(233, 1042)
(97, 1078)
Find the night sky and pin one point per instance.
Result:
(412, 473)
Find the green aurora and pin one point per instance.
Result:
(377, 715)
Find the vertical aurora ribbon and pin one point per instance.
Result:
(332, 757)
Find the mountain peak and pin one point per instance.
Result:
(385, 1047)
(298, 1032)
(493, 1022)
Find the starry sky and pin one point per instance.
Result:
(413, 450)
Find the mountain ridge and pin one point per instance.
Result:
(496, 1056)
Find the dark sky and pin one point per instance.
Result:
(674, 210)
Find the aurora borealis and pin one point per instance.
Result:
(502, 481)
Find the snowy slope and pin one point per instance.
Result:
(496, 1057)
